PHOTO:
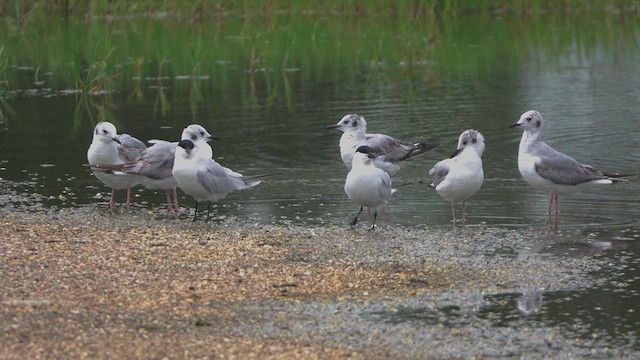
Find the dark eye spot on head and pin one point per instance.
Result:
(474, 140)
(186, 144)
(96, 131)
(201, 133)
(464, 142)
(529, 118)
(354, 123)
(194, 138)
(538, 123)
(104, 131)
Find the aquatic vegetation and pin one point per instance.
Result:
(170, 50)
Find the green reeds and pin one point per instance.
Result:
(264, 52)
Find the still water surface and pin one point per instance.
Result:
(590, 108)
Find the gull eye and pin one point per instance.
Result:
(104, 131)
(464, 142)
(529, 118)
(202, 133)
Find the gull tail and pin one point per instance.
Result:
(253, 180)
(420, 148)
(430, 184)
(395, 187)
(403, 184)
(610, 177)
(617, 176)
(108, 169)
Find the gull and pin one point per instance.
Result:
(390, 152)
(366, 184)
(204, 179)
(549, 170)
(108, 148)
(460, 177)
(153, 168)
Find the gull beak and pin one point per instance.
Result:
(116, 140)
(213, 137)
(516, 124)
(335, 126)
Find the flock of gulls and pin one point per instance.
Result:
(121, 161)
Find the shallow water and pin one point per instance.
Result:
(588, 101)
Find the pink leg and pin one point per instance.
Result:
(169, 208)
(129, 197)
(453, 212)
(464, 215)
(175, 200)
(550, 207)
(556, 209)
(112, 202)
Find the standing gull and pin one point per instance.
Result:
(153, 168)
(108, 148)
(204, 179)
(366, 184)
(460, 177)
(548, 170)
(389, 151)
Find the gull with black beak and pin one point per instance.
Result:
(549, 170)
(204, 179)
(153, 168)
(460, 177)
(389, 152)
(108, 148)
(366, 184)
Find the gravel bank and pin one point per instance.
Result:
(85, 283)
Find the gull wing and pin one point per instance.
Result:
(384, 189)
(130, 148)
(562, 169)
(395, 150)
(219, 180)
(439, 172)
(156, 161)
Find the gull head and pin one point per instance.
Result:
(529, 121)
(351, 123)
(364, 154)
(105, 132)
(197, 133)
(471, 139)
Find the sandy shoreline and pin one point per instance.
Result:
(86, 284)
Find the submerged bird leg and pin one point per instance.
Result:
(464, 210)
(375, 215)
(208, 210)
(453, 212)
(195, 214)
(355, 219)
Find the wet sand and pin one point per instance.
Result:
(86, 283)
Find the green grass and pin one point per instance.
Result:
(267, 51)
